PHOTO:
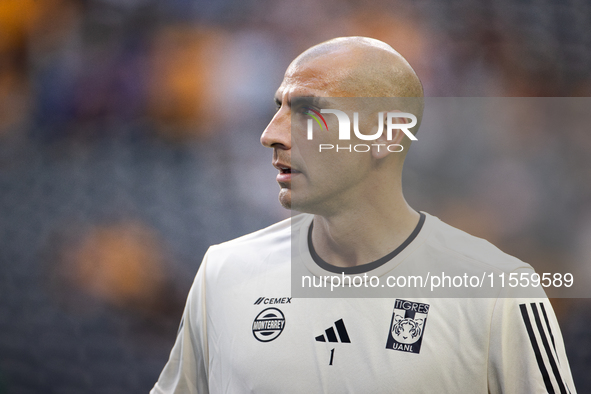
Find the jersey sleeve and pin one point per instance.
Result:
(526, 350)
(186, 369)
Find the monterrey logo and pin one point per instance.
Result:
(268, 325)
(345, 129)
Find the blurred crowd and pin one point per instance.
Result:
(129, 143)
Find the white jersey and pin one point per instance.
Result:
(242, 332)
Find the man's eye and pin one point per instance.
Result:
(307, 111)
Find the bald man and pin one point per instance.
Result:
(242, 329)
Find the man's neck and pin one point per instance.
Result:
(365, 234)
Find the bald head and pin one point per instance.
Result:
(366, 67)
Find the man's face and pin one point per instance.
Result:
(311, 181)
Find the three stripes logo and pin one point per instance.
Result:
(331, 336)
(544, 347)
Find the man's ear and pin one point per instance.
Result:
(379, 148)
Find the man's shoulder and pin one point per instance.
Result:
(274, 237)
(459, 244)
(250, 257)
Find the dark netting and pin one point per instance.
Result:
(129, 144)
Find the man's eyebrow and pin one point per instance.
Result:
(315, 100)
(309, 99)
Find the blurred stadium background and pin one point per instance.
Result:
(129, 143)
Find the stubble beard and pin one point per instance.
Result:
(285, 197)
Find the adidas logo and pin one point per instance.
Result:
(331, 335)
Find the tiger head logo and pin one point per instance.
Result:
(407, 330)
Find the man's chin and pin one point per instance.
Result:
(285, 198)
(298, 204)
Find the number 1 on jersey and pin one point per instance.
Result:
(331, 356)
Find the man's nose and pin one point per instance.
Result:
(278, 132)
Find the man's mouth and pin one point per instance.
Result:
(285, 169)
(289, 171)
(285, 173)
